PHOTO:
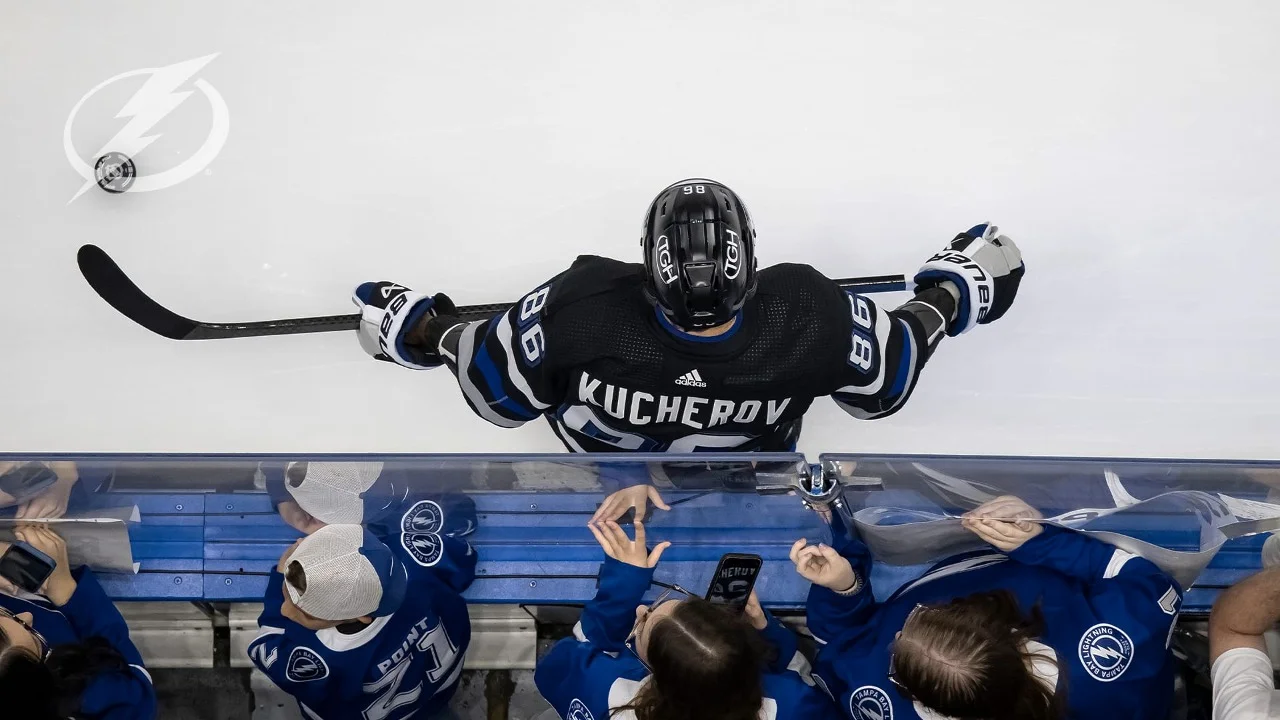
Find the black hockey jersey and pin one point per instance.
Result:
(611, 373)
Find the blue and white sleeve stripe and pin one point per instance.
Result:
(497, 385)
(883, 378)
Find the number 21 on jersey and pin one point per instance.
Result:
(441, 661)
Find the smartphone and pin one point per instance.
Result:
(734, 580)
(23, 482)
(26, 567)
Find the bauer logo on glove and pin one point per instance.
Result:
(389, 313)
(985, 268)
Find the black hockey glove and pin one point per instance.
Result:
(390, 312)
(985, 267)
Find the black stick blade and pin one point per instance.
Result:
(112, 285)
(109, 281)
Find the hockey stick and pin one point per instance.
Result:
(109, 281)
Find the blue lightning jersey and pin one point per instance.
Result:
(402, 665)
(124, 695)
(585, 676)
(1108, 614)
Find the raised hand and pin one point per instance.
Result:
(618, 546)
(636, 496)
(60, 585)
(822, 565)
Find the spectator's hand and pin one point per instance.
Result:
(755, 613)
(297, 518)
(60, 585)
(618, 546)
(1006, 522)
(51, 503)
(636, 496)
(822, 565)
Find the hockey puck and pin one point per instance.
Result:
(115, 172)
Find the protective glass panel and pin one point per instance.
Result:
(1177, 514)
(212, 528)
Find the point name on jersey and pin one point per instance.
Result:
(414, 639)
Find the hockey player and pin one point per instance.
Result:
(695, 349)
(1055, 621)
(678, 658)
(354, 628)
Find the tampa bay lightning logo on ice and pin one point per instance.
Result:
(424, 517)
(1105, 651)
(426, 548)
(305, 665)
(139, 120)
(578, 711)
(870, 703)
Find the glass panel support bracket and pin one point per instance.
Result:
(821, 489)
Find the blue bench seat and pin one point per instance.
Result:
(535, 548)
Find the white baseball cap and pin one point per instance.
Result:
(341, 492)
(350, 574)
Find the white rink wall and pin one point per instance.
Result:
(476, 148)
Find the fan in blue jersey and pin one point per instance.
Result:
(695, 349)
(66, 652)
(355, 628)
(679, 658)
(426, 525)
(1055, 624)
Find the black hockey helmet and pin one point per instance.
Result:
(699, 253)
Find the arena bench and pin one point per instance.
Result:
(534, 548)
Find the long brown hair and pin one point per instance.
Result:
(969, 660)
(51, 688)
(705, 664)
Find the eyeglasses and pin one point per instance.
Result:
(670, 592)
(893, 677)
(40, 641)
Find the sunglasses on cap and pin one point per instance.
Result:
(670, 592)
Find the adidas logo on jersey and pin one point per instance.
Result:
(691, 378)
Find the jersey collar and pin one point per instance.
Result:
(680, 334)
